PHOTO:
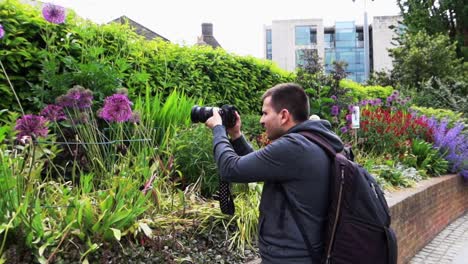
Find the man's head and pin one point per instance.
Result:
(284, 106)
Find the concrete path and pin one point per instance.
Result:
(449, 246)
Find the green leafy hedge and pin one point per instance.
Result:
(361, 92)
(43, 60)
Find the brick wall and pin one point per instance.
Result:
(420, 213)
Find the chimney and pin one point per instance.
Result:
(207, 29)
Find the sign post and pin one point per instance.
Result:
(355, 122)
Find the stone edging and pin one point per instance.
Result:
(420, 213)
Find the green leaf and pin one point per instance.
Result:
(117, 233)
(146, 229)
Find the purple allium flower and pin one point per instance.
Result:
(378, 101)
(363, 103)
(31, 125)
(344, 129)
(117, 108)
(334, 97)
(395, 93)
(53, 113)
(350, 108)
(2, 31)
(349, 118)
(76, 97)
(335, 110)
(53, 13)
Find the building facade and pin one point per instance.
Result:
(286, 42)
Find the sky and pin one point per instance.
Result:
(237, 25)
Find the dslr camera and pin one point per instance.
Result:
(202, 113)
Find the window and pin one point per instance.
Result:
(306, 35)
(304, 54)
(269, 54)
(329, 40)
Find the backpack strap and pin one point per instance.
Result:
(321, 141)
(330, 151)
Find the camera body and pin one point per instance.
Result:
(202, 113)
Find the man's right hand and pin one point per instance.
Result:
(235, 131)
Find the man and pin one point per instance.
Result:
(290, 161)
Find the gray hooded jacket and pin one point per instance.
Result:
(302, 168)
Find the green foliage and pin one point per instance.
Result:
(421, 56)
(449, 94)
(362, 92)
(48, 59)
(439, 114)
(194, 159)
(437, 17)
(424, 157)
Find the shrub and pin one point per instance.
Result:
(423, 156)
(439, 114)
(386, 131)
(360, 92)
(194, 158)
(103, 57)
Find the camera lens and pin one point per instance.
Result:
(200, 114)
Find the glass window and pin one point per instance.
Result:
(306, 35)
(302, 55)
(329, 40)
(268, 35)
(269, 54)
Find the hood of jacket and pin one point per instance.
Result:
(321, 127)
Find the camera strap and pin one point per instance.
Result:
(226, 200)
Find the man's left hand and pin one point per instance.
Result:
(215, 119)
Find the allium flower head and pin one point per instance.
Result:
(31, 125)
(335, 110)
(333, 97)
(53, 13)
(76, 97)
(2, 31)
(344, 129)
(53, 113)
(117, 108)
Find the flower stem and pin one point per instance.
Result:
(12, 88)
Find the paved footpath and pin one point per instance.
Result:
(449, 246)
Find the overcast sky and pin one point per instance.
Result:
(238, 24)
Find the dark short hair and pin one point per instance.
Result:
(289, 96)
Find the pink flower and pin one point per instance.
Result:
(33, 126)
(117, 108)
(2, 31)
(76, 97)
(53, 13)
(53, 113)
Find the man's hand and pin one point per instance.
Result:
(235, 131)
(215, 119)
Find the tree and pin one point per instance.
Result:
(438, 16)
(421, 56)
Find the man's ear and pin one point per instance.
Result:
(285, 116)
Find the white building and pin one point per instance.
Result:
(287, 40)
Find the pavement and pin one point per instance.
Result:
(449, 246)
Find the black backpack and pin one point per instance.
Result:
(358, 229)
